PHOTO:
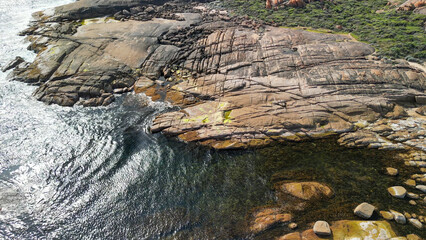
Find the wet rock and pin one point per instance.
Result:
(292, 226)
(421, 188)
(291, 236)
(267, 218)
(307, 190)
(364, 210)
(12, 64)
(412, 202)
(142, 84)
(391, 171)
(416, 223)
(347, 229)
(407, 215)
(399, 217)
(386, 215)
(322, 228)
(410, 182)
(397, 191)
(413, 237)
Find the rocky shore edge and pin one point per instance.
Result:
(237, 82)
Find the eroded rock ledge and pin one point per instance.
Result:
(238, 83)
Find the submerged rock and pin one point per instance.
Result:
(348, 229)
(267, 218)
(307, 190)
(397, 191)
(421, 188)
(386, 215)
(322, 228)
(413, 237)
(416, 223)
(292, 226)
(399, 217)
(364, 210)
(291, 236)
(410, 182)
(391, 171)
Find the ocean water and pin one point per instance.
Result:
(94, 173)
(98, 173)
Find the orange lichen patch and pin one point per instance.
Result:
(178, 98)
(152, 92)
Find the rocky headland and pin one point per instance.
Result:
(237, 82)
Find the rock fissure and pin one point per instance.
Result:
(276, 83)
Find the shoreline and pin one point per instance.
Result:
(238, 83)
(305, 98)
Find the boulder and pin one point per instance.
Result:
(421, 188)
(416, 223)
(410, 183)
(399, 217)
(307, 190)
(391, 171)
(322, 228)
(397, 191)
(292, 226)
(364, 210)
(386, 215)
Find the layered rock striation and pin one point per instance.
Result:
(237, 83)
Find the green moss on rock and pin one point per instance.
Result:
(393, 34)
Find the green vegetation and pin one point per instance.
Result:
(393, 34)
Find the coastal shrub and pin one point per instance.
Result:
(393, 34)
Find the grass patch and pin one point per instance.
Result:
(393, 34)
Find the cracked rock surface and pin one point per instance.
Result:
(237, 83)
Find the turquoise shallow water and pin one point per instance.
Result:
(97, 173)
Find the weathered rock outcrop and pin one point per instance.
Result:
(412, 4)
(94, 8)
(349, 230)
(285, 84)
(238, 83)
(291, 3)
